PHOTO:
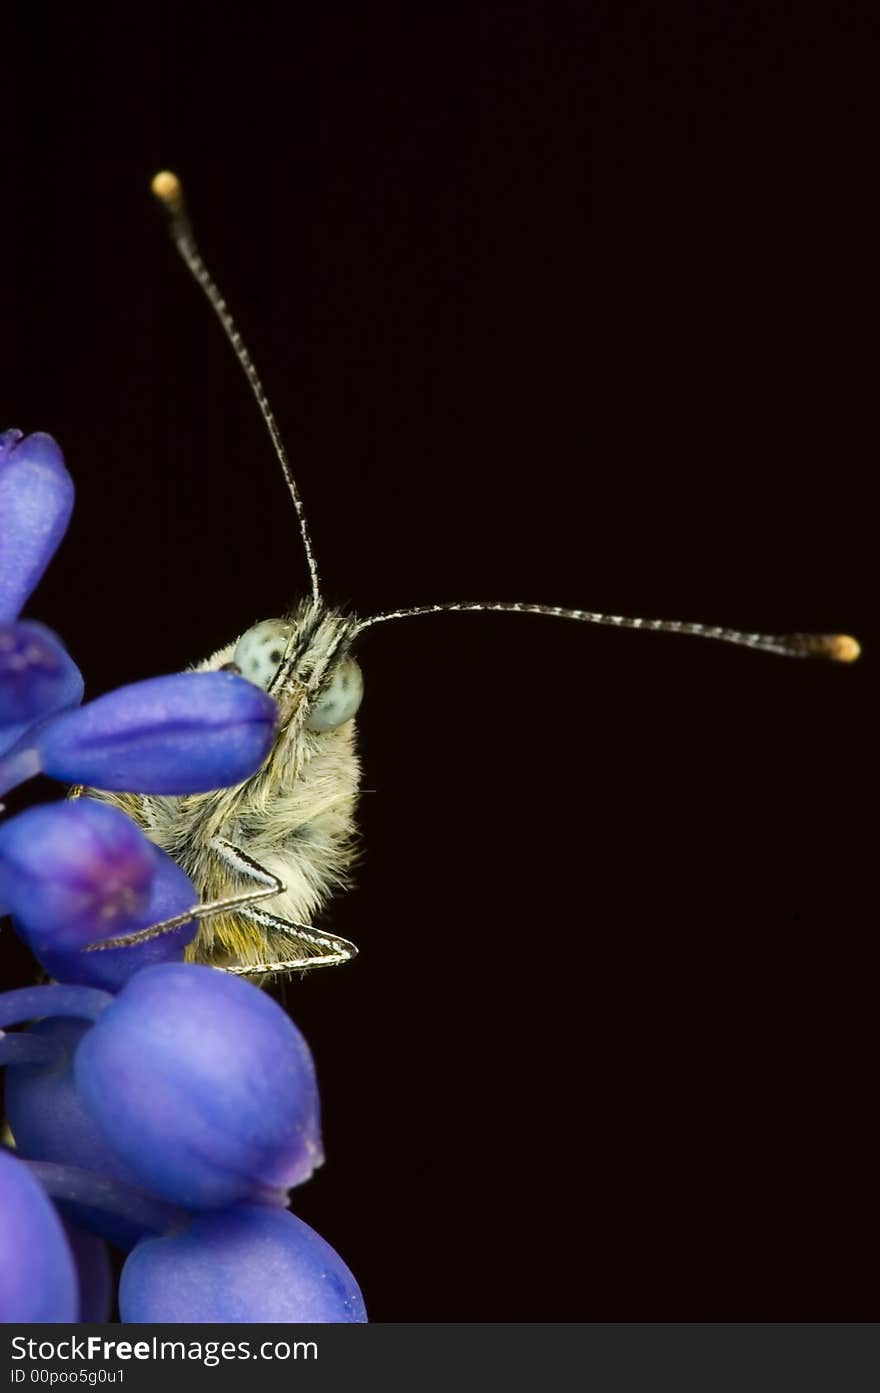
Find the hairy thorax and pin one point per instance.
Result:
(295, 817)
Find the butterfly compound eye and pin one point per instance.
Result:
(340, 699)
(258, 652)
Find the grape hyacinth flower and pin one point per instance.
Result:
(37, 675)
(204, 1061)
(215, 1067)
(197, 1087)
(184, 733)
(161, 1105)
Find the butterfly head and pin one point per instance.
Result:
(303, 660)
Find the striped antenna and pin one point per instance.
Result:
(169, 191)
(840, 648)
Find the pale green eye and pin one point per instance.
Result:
(340, 699)
(259, 652)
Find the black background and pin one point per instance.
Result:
(559, 302)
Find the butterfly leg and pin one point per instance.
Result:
(308, 947)
(312, 947)
(270, 885)
(315, 949)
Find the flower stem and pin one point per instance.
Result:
(109, 1195)
(29, 1003)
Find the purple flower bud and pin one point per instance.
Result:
(37, 1273)
(203, 1086)
(186, 733)
(73, 866)
(37, 677)
(36, 500)
(74, 872)
(245, 1264)
(171, 893)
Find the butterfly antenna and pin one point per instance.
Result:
(840, 648)
(169, 191)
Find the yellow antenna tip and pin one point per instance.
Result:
(845, 648)
(167, 187)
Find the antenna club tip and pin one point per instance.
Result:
(167, 188)
(844, 648)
